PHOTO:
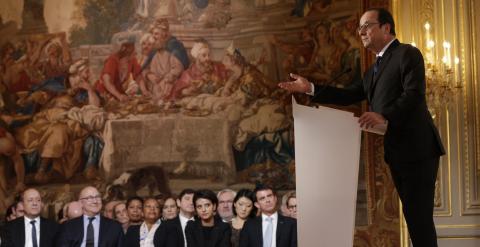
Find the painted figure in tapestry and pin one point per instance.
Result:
(166, 62)
(163, 59)
(121, 76)
(203, 75)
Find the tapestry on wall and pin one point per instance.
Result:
(161, 91)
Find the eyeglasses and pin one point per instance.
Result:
(225, 202)
(292, 206)
(366, 25)
(91, 198)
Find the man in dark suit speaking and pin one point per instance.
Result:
(270, 229)
(31, 230)
(395, 90)
(91, 229)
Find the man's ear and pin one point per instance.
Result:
(257, 205)
(387, 27)
(178, 203)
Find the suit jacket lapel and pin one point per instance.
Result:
(104, 228)
(383, 64)
(43, 230)
(21, 231)
(259, 230)
(369, 82)
(280, 224)
(80, 226)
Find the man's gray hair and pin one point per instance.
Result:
(226, 190)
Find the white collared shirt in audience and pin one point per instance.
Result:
(28, 230)
(183, 222)
(274, 223)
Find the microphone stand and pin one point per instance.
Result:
(316, 94)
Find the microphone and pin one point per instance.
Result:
(345, 71)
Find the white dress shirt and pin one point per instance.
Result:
(385, 48)
(274, 222)
(28, 231)
(96, 229)
(183, 222)
(146, 236)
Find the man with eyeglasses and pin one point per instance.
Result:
(225, 204)
(395, 90)
(91, 229)
(31, 230)
(292, 204)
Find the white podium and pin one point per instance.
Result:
(327, 156)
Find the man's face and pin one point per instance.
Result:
(292, 207)
(130, 51)
(91, 201)
(266, 201)
(186, 204)
(204, 55)
(370, 31)
(225, 202)
(108, 211)
(160, 36)
(32, 203)
(147, 46)
(19, 210)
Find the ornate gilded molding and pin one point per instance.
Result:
(470, 175)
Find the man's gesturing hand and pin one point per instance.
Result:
(299, 85)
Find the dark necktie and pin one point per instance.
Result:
(90, 241)
(376, 66)
(34, 234)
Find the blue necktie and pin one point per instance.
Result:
(267, 237)
(34, 234)
(90, 240)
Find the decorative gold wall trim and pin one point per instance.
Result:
(470, 203)
(449, 226)
(445, 179)
(459, 237)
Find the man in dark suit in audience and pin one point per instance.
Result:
(31, 230)
(91, 229)
(270, 229)
(172, 232)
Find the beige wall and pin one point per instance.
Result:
(457, 211)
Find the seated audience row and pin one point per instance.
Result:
(198, 218)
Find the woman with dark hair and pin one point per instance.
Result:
(243, 209)
(207, 230)
(134, 210)
(143, 235)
